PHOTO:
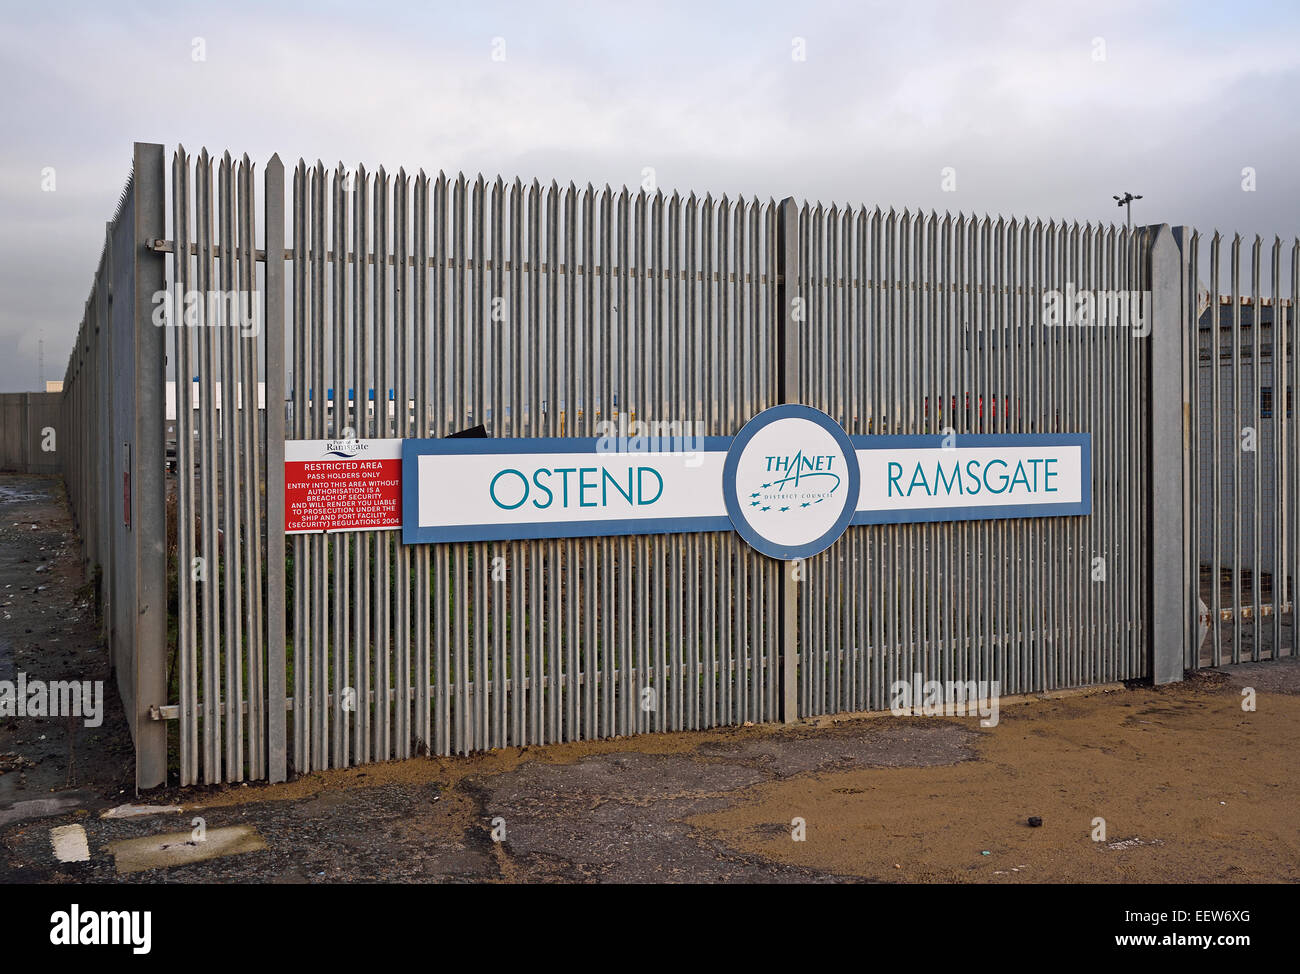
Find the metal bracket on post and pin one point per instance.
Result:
(1169, 445)
(788, 344)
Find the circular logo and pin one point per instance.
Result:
(791, 481)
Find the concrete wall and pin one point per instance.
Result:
(29, 432)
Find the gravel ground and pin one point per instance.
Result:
(1192, 787)
(48, 631)
(619, 815)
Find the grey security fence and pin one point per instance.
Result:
(421, 306)
(1243, 463)
(929, 325)
(617, 307)
(111, 451)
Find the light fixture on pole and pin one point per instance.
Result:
(1126, 201)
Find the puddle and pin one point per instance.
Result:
(180, 848)
(40, 807)
(18, 495)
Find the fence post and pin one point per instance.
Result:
(148, 458)
(1190, 331)
(1169, 446)
(276, 720)
(787, 353)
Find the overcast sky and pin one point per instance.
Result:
(1042, 109)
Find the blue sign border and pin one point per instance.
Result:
(731, 496)
(413, 449)
(990, 512)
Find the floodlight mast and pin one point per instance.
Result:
(1126, 201)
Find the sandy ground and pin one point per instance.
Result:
(1191, 788)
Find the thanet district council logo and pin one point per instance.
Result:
(791, 481)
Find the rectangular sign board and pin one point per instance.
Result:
(934, 478)
(342, 485)
(490, 490)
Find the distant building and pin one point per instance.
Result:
(1259, 410)
(170, 415)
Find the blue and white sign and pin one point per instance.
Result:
(964, 478)
(491, 490)
(790, 483)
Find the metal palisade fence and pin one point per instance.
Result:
(112, 456)
(419, 306)
(388, 650)
(1243, 484)
(930, 325)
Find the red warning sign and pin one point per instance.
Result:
(342, 485)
